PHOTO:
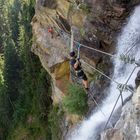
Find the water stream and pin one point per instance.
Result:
(90, 128)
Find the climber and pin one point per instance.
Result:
(76, 64)
(50, 30)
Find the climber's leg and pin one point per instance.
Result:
(85, 81)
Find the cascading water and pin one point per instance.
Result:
(94, 125)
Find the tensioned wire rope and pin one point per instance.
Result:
(103, 75)
(114, 56)
(68, 33)
(99, 52)
(108, 120)
(120, 95)
(121, 91)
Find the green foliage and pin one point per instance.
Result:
(76, 101)
(32, 131)
(85, 8)
(11, 69)
(25, 96)
(54, 120)
(13, 20)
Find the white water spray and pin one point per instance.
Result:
(91, 128)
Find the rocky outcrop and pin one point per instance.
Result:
(95, 23)
(128, 126)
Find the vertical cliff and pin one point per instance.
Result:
(95, 24)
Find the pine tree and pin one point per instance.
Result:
(14, 18)
(26, 84)
(11, 69)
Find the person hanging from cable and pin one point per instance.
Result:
(51, 31)
(76, 65)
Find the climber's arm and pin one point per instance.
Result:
(77, 63)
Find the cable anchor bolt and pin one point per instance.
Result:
(122, 87)
(127, 59)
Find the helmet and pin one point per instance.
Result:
(72, 54)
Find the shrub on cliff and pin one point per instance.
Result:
(54, 122)
(76, 100)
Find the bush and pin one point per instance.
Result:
(54, 122)
(76, 101)
(85, 8)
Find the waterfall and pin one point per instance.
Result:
(90, 128)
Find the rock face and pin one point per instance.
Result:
(128, 126)
(95, 23)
